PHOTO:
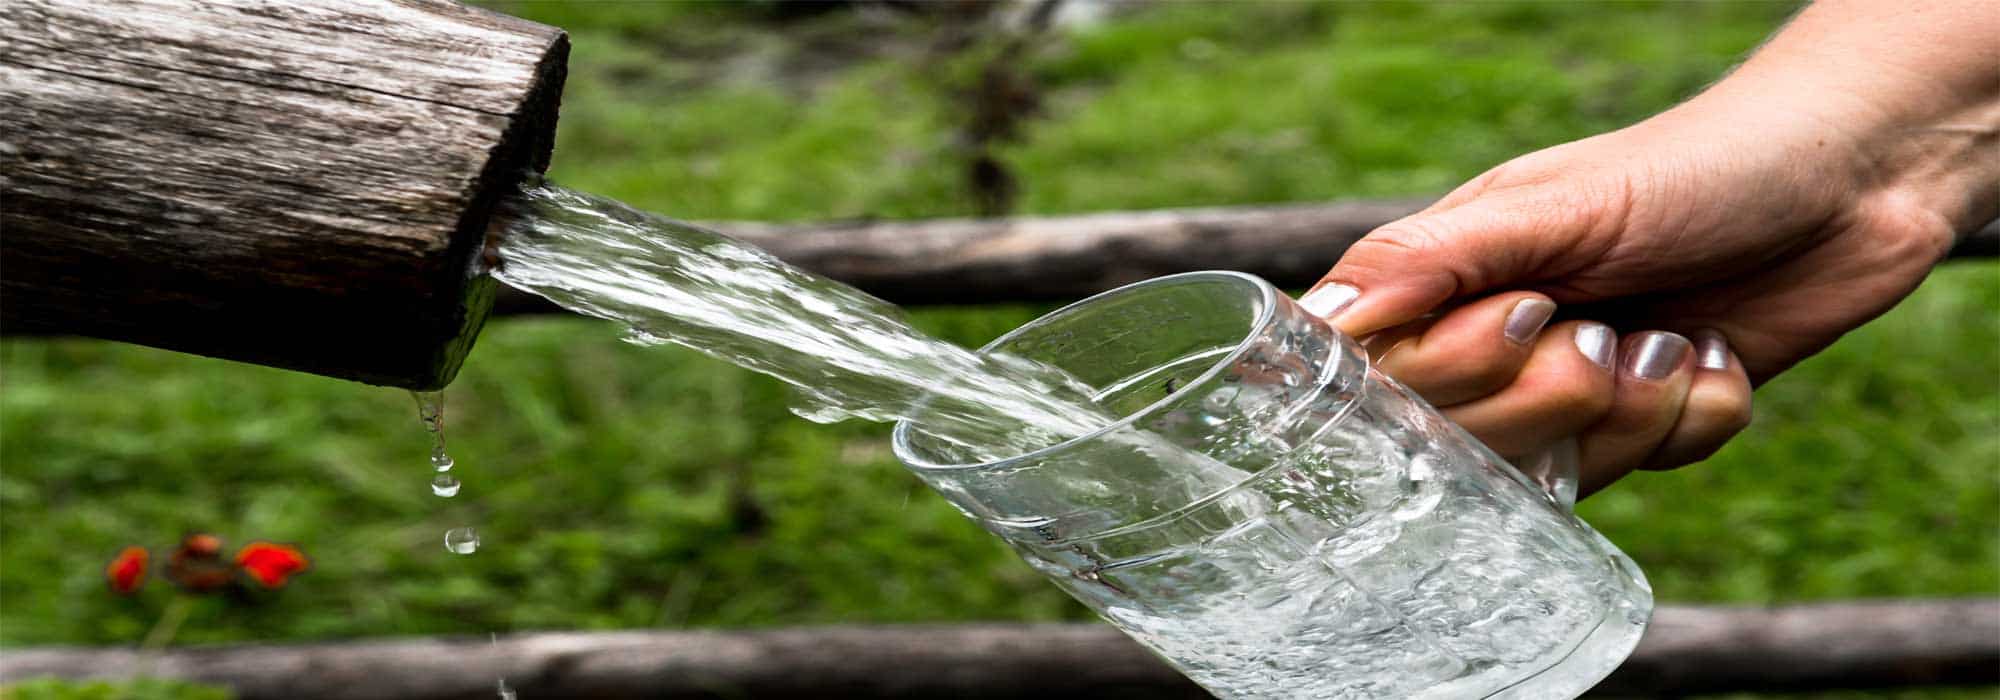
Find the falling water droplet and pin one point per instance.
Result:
(461, 540)
(430, 409)
(506, 693)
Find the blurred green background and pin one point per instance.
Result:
(619, 486)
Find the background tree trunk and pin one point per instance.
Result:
(1687, 650)
(1064, 258)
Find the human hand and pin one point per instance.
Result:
(1784, 207)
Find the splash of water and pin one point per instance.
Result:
(506, 693)
(849, 354)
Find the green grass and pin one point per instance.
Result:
(150, 689)
(619, 486)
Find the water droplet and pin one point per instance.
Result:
(461, 540)
(506, 693)
(444, 486)
(430, 408)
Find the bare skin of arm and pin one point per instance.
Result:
(1723, 241)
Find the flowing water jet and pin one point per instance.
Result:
(849, 355)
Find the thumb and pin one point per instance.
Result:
(1409, 267)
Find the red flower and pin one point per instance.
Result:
(197, 566)
(270, 564)
(127, 571)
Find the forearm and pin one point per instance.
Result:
(1912, 88)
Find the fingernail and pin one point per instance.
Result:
(1527, 319)
(1328, 300)
(1714, 349)
(1655, 354)
(1597, 342)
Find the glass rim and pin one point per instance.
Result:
(1267, 311)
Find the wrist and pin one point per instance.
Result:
(1947, 163)
(1909, 87)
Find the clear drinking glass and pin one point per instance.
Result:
(1278, 520)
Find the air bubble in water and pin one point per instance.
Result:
(461, 540)
(444, 486)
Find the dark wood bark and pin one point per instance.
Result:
(1063, 258)
(1688, 650)
(301, 184)
(1874, 644)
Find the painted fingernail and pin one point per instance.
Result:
(1656, 354)
(1714, 349)
(1527, 319)
(1597, 342)
(1328, 300)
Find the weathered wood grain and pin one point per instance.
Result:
(300, 184)
(1688, 650)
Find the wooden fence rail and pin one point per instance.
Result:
(1060, 258)
(1687, 650)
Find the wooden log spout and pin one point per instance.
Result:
(302, 184)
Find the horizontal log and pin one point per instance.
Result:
(1691, 650)
(1687, 650)
(1057, 258)
(1062, 258)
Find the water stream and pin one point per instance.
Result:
(849, 354)
(1286, 586)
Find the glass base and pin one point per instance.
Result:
(1600, 652)
(1590, 662)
